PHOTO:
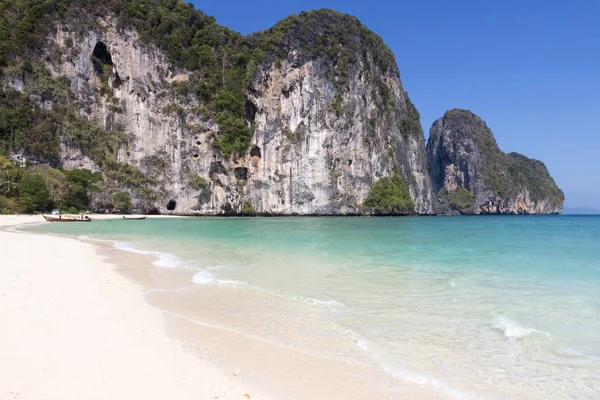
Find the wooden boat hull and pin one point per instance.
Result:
(66, 219)
(134, 218)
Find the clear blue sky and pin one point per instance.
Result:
(529, 68)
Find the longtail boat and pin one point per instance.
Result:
(134, 218)
(61, 218)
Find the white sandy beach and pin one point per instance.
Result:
(74, 328)
(76, 325)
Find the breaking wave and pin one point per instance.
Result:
(204, 277)
(402, 373)
(513, 331)
(165, 260)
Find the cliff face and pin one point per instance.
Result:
(323, 137)
(325, 126)
(471, 175)
(186, 116)
(166, 141)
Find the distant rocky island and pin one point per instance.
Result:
(470, 175)
(157, 108)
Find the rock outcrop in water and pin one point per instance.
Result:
(471, 175)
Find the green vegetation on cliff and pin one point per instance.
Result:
(461, 199)
(533, 174)
(27, 128)
(410, 123)
(30, 121)
(335, 37)
(35, 121)
(248, 209)
(343, 45)
(389, 195)
(222, 62)
(42, 188)
(197, 182)
(217, 57)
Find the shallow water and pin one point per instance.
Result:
(495, 307)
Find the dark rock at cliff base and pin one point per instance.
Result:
(471, 175)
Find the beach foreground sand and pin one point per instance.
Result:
(73, 328)
(78, 321)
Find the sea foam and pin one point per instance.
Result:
(334, 307)
(165, 260)
(168, 260)
(128, 247)
(401, 373)
(513, 331)
(205, 276)
(323, 303)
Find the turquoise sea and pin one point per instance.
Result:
(476, 307)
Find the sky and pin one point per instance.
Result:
(529, 68)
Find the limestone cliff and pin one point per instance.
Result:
(322, 119)
(471, 175)
(328, 127)
(185, 116)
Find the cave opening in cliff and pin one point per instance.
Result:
(171, 205)
(241, 173)
(117, 81)
(250, 110)
(101, 57)
(255, 151)
(216, 168)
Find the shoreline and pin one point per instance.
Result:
(303, 310)
(77, 328)
(228, 360)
